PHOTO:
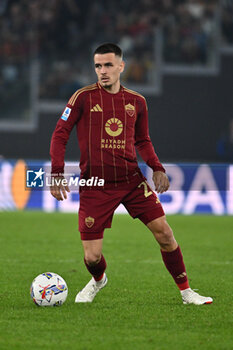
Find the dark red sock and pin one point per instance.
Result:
(175, 265)
(97, 270)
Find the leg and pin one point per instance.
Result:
(170, 251)
(95, 214)
(151, 213)
(173, 261)
(93, 258)
(96, 265)
(92, 251)
(142, 203)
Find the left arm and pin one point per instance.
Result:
(146, 150)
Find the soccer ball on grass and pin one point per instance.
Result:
(49, 289)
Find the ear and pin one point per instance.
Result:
(122, 66)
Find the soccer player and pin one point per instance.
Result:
(111, 123)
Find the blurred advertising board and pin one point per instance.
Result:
(194, 188)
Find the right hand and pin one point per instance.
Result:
(58, 190)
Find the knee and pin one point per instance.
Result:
(162, 231)
(161, 227)
(92, 258)
(166, 233)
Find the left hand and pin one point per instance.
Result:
(161, 181)
(58, 190)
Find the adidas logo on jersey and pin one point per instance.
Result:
(96, 108)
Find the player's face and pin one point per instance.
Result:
(108, 68)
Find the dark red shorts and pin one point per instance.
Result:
(97, 207)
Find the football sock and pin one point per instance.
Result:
(175, 265)
(97, 270)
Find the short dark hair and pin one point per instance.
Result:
(108, 48)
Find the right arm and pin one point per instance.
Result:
(59, 140)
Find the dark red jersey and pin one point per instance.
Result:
(109, 127)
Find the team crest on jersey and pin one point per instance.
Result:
(130, 109)
(89, 221)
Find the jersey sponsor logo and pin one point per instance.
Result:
(114, 127)
(66, 114)
(96, 108)
(89, 221)
(111, 143)
(130, 109)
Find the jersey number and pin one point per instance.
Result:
(147, 193)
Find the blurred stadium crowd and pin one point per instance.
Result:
(63, 34)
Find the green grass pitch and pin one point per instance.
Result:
(139, 309)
